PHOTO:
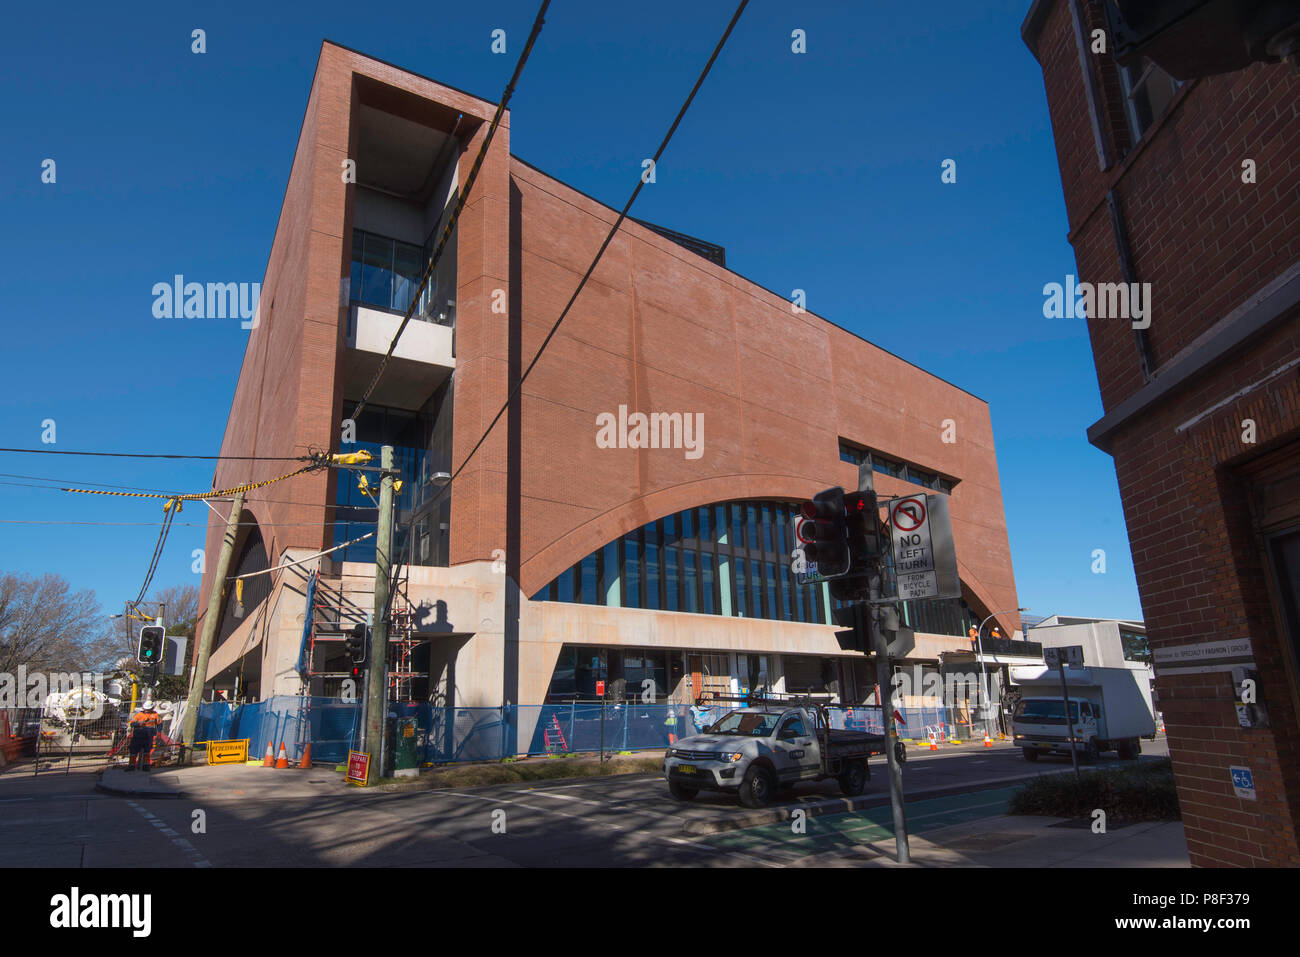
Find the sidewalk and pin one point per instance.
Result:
(223, 781)
(1025, 841)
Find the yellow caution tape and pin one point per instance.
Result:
(179, 500)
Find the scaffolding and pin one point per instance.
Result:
(334, 613)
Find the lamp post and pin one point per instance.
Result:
(979, 646)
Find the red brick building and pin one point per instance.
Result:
(560, 560)
(1193, 188)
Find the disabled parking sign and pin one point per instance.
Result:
(1243, 783)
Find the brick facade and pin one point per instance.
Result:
(1210, 245)
(658, 328)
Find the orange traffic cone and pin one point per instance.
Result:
(283, 760)
(987, 742)
(934, 745)
(306, 756)
(269, 760)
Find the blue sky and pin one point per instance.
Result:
(818, 171)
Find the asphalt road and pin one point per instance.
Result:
(56, 820)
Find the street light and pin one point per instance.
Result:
(979, 646)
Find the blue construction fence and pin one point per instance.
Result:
(445, 735)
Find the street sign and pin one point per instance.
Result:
(925, 561)
(1243, 783)
(1072, 655)
(173, 660)
(228, 752)
(358, 767)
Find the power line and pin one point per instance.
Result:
(57, 488)
(735, 17)
(460, 205)
(170, 455)
(24, 521)
(42, 478)
(608, 239)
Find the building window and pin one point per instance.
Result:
(666, 567)
(1135, 647)
(884, 464)
(852, 454)
(385, 272)
(1148, 91)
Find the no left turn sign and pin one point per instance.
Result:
(908, 514)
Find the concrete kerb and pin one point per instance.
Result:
(118, 781)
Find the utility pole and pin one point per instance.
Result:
(377, 678)
(190, 725)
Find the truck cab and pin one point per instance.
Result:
(1110, 710)
(1039, 726)
(756, 750)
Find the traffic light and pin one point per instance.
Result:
(822, 535)
(862, 524)
(150, 649)
(356, 641)
(865, 545)
(1193, 38)
(851, 637)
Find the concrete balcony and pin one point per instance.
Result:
(422, 361)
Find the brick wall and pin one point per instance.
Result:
(1206, 242)
(658, 328)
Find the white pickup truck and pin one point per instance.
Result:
(1110, 710)
(753, 751)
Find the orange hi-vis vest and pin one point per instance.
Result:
(146, 720)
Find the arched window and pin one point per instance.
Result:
(728, 558)
(252, 558)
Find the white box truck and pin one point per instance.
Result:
(1110, 710)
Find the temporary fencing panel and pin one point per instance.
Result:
(447, 735)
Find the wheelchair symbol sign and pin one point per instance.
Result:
(1243, 782)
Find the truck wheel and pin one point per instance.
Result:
(854, 779)
(680, 792)
(757, 787)
(1093, 751)
(1030, 754)
(1129, 750)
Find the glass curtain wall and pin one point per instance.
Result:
(729, 558)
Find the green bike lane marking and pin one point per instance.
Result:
(872, 824)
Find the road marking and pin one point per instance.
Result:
(748, 858)
(559, 797)
(196, 859)
(544, 810)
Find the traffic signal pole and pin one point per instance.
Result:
(870, 617)
(884, 681)
(377, 677)
(200, 675)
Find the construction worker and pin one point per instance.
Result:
(144, 725)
